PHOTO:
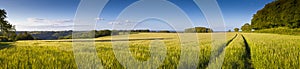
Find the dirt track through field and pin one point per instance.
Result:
(220, 51)
(248, 63)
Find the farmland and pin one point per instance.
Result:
(273, 51)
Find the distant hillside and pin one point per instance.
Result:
(53, 35)
(280, 13)
(47, 35)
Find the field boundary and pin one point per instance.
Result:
(248, 63)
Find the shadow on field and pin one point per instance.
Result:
(248, 63)
(113, 40)
(5, 45)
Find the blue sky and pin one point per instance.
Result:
(41, 15)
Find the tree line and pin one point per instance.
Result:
(198, 30)
(279, 13)
(279, 16)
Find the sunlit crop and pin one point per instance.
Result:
(266, 51)
(274, 51)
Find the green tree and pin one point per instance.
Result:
(7, 29)
(199, 30)
(236, 29)
(24, 36)
(279, 13)
(246, 27)
(164, 31)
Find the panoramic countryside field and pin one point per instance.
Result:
(243, 50)
(150, 34)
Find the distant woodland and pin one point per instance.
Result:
(279, 16)
(198, 30)
(280, 13)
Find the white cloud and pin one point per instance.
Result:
(100, 19)
(44, 28)
(36, 20)
(114, 22)
(119, 22)
(49, 22)
(64, 21)
(44, 24)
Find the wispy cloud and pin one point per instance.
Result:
(119, 22)
(44, 24)
(114, 22)
(64, 21)
(99, 19)
(36, 20)
(41, 20)
(44, 28)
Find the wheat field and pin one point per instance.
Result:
(253, 51)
